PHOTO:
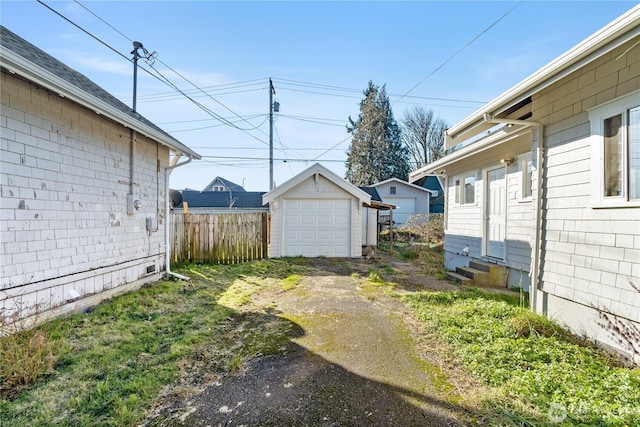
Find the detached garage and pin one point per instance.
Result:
(316, 213)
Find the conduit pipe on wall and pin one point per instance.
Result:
(167, 246)
(535, 262)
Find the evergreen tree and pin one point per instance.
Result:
(376, 152)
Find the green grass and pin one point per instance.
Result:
(533, 367)
(112, 363)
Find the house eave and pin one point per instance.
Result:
(15, 64)
(618, 32)
(438, 167)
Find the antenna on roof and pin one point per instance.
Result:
(149, 57)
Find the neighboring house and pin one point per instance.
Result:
(553, 190)
(316, 213)
(435, 184)
(84, 187)
(222, 202)
(221, 184)
(409, 199)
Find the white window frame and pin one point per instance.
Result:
(597, 116)
(460, 189)
(526, 178)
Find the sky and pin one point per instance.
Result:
(450, 57)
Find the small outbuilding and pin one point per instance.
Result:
(409, 199)
(316, 213)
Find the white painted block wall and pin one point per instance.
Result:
(65, 174)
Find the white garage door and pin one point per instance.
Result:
(406, 208)
(315, 227)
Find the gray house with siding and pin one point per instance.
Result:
(409, 199)
(84, 188)
(547, 184)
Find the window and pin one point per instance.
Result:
(615, 129)
(469, 189)
(218, 188)
(457, 191)
(526, 167)
(392, 190)
(465, 194)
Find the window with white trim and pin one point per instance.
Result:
(465, 190)
(615, 130)
(526, 167)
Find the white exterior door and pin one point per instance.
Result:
(405, 208)
(495, 207)
(316, 227)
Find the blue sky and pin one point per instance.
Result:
(320, 56)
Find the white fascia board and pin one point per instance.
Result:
(16, 64)
(621, 30)
(321, 170)
(439, 166)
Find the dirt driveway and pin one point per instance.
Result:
(353, 363)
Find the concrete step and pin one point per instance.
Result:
(485, 274)
(482, 266)
(471, 273)
(455, 277)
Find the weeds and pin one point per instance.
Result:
(624, 332)
(532, 366)
(26, 352)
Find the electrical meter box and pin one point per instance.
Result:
(152, 224)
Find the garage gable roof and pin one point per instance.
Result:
(322, 171)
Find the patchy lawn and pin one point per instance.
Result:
(113, 364)
(119, 363)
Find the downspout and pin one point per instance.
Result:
(167, 246)
(537, 244)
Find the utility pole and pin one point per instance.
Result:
(271, 93)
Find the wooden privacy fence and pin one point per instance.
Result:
(218, 238)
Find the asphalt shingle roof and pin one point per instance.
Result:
(220, 199)
(19, 46)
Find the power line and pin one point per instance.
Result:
(358, 91)
(159, 75)
(284, 159)
(456, 53)
(438, 67)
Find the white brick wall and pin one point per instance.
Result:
(64, 185)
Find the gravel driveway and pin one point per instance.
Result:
(354, 364)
